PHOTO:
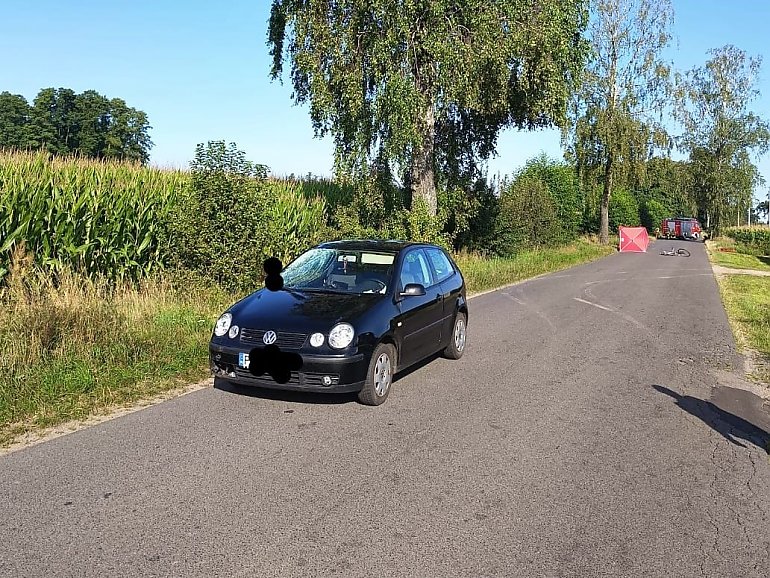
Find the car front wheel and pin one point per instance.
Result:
(459, 337)
(379, 376)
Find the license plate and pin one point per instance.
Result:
(243, 360)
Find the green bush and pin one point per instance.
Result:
(234, 218)
(751, 240)
(623, 210)
(478, 224)
(561, 181)
(458, 210)
(365, 217)
(528, 217)
(652, 213)
(592, 200)
(417, 224)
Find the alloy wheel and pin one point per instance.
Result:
(383, 374)
(460, 334)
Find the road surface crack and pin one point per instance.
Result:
(712, 491)
(757, 502)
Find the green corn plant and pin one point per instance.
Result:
(297, 221)
(100, 218)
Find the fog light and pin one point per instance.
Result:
(317, 339)
(327, 380)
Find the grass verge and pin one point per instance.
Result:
(74, 348)
(747, 301)
(483, 273)
(733, 259)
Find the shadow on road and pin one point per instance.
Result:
(728, 425)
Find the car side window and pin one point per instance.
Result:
(415, 269)
(442, 267)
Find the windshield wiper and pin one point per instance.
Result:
(321, 290)
(294, 292)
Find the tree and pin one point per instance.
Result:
(93, 116)
(669, 183)
(613, 127)
(720, 133)
(427, 85)
(14, 121)
(763, 209)
(63, 122)
(52, 120)
(126, 134)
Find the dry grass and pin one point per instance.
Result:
(483, 273)
(73, 346)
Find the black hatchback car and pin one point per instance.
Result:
(348, 316)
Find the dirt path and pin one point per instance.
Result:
(719, 270)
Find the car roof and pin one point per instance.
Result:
(369, 244)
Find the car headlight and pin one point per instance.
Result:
(341, 335)
(223, 324)
(317, 339)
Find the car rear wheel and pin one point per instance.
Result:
(459, 337)
(379, 377)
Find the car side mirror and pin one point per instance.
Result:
(413, 290)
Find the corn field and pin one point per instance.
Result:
(91, 216)
(298, 219)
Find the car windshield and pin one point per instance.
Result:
(341, 271)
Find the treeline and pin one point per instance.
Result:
(88, 124)
(223, 217)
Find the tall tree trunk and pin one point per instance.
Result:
(423, 181)
(604, 229)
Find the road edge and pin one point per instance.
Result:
(37, 437)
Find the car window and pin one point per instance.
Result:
(440, 263)
(415, 269)
(338, 270)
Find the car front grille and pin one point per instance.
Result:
(285, 340)
(222, 362)
(308, 380)
(265, 379)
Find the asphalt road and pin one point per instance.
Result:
(592, 429)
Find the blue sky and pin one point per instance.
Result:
(200, 71)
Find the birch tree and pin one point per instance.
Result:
(616, 114)
(427, 85)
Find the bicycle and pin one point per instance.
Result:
(676, 253)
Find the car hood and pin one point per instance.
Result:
(300, 311)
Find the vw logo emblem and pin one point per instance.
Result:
(269, 337)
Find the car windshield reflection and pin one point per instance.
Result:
(340, 271)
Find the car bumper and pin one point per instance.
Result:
(346, 373)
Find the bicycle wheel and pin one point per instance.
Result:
(683, 252)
